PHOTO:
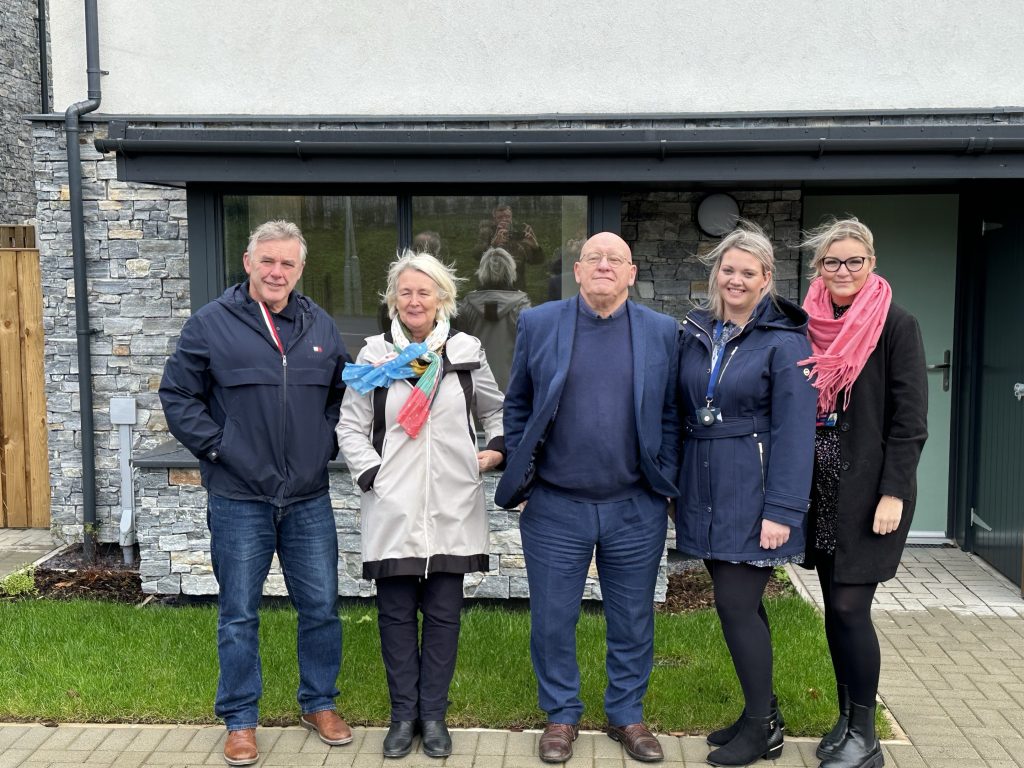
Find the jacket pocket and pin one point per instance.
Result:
(309, 377)
(760, 456)
(241, 377)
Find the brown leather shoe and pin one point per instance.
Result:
(640, 743)
(556, 742)
(240, 748)
(328, 726)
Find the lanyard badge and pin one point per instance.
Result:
(708, 416)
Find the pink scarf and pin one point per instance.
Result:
(841, 347)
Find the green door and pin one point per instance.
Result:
(999, 495)
(915, 243)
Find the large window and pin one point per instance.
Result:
(352, 239)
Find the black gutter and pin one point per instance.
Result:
(44, 70)
(566, 142)
(512, 149)
(71, 117)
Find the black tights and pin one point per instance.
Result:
(738, 591)
(852, 641)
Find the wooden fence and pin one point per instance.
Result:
(24, 463)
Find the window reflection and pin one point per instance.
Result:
(513, 251)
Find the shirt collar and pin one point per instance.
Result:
(589, 311)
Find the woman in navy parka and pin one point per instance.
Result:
(745, 479)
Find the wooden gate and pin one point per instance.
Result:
(24, 463)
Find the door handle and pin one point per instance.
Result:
(944, 366)
(1018, 391)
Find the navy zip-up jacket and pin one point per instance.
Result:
(269, 417)
(757, 462)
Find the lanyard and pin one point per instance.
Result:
(716, 367)
(270, 326)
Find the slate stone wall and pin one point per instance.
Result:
(19, 96)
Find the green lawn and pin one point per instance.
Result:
(102, 662)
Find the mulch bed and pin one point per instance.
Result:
(67, 576)
(691, 590)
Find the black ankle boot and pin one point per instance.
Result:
(398, 741)
(758, 737)
(834, 737)
(723, 736)
(860, 748)
(437, 742)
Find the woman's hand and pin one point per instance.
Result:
(888, 514)
(488, 460)
(773, 535)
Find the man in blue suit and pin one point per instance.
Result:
(593, 439)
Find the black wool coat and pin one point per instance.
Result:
(881, 436)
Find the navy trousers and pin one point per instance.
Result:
(419, 669)
(560, 536)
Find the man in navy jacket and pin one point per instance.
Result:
(592, 436)
(253, 390)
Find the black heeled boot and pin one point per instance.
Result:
(860, 748)
(398, 741)
(437, 742)
(723, 736)
(833, 738)
(758, 737)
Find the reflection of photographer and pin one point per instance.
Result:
(490, 312)
(518, 239)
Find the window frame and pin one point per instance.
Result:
(207, 276)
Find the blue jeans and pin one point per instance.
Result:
(243, 538)
(560, 536)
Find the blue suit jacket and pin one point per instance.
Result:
(540, 364)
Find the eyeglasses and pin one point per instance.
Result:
(614, 261)
(854, 264)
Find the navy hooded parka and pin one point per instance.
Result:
(757, 462)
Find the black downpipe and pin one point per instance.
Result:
(71, 117)
(44, 69)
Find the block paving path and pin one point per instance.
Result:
(23, 546)
(952, 679)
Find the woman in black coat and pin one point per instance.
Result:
(868, 366)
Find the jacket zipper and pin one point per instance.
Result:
(284, 411)
(760, 455)
(426, 505)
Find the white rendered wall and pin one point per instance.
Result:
(466, 57)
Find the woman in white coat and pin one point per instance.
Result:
(411, 446)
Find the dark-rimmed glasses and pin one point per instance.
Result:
(853, 264)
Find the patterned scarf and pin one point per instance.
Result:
(841, 346)
(416, 410)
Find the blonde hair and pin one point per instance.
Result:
(749, 238)
(443, 275)
(821, 238)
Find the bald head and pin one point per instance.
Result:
(604, 272)
(605, 240)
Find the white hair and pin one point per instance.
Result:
(443, 275)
